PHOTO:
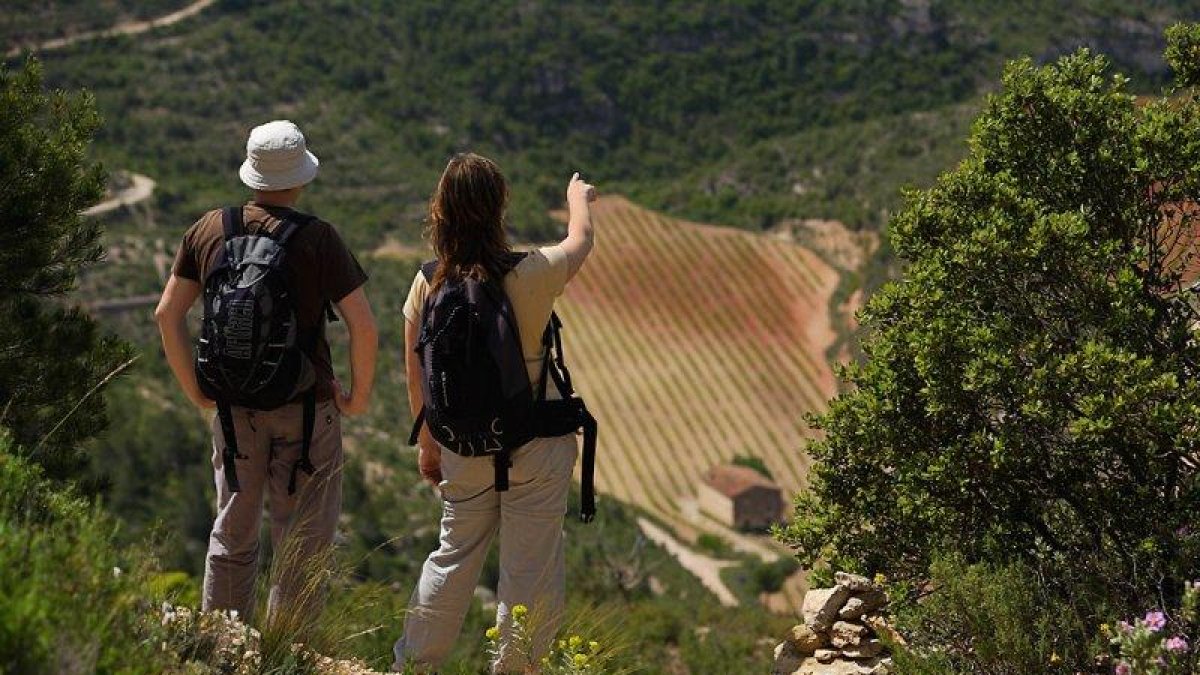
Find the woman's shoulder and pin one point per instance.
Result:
(541, 259)
(544, 267)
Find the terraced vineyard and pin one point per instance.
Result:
(693, 344)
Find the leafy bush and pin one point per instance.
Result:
(987, 619)
(70, 598)
(1040, 346)
(1032, 384)
(713, 545)
(753, 462)
(769, 577)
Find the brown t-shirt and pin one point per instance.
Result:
(320, 268)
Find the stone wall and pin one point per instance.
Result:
(840, 633)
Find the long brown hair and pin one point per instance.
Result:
(466, 221)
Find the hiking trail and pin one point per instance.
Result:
(124, 28)
(139, 190)
(706, 569)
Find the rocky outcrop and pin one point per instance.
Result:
(841, 632)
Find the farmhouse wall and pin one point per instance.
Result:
(716, 504)
(758, 507)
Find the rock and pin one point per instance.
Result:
(883, 629)
(787, 659)
(874, 599)
(805, 639)
(826, 655)
(822, 605)
(844, 633)
(811, 666)
(865, 649)
(853, 610)
(863, 603)
(855, 583)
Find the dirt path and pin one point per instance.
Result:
(126, 28)
(706, 569)
(142, 188)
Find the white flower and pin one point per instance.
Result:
(116, 572)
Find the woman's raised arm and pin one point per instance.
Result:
(580, 233)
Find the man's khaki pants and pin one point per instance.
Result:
(302, 524)
(529, 517)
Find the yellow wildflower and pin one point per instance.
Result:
(580, 660)
(519, 612)
(575, 642)
(493, 633)
(594, 646)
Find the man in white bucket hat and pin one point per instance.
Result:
(277, 158)
(270, 276)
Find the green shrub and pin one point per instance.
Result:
(713, 545)
(769, 577)
(1042, 348)
(753, 462)
(70, 599)
(993, 619)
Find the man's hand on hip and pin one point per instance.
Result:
(348, 404)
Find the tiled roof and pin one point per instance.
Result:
(731, 480)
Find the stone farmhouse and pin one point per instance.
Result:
(741, 498)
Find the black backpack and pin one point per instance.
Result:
(478, 398)
(251, 351)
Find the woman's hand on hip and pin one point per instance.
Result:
(429, 460)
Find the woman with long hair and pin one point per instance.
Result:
(467, 229)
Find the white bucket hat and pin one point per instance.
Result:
(277, 158)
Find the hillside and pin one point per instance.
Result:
(693, 344)
(678, 105)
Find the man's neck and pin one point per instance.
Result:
(286, 200)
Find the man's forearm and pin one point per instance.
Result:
(364, 348)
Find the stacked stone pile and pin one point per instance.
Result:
(840, 633)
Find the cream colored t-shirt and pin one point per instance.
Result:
(532, 287)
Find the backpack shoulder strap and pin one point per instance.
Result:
(287, 228)
(231, 222)
(289, 224)
(428, 269)
(553, 363)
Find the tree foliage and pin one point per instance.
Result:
(1030, 391)
(51, 356)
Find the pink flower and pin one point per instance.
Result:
(1177, 644)
(1155, 621)
(1122, 669)
(1124, 626)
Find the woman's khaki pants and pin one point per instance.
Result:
(529, 517)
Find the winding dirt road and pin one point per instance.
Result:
(142, 188)
(125, 28)
(706, 569)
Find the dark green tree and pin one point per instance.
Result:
(52, 356)
(1030, 391)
